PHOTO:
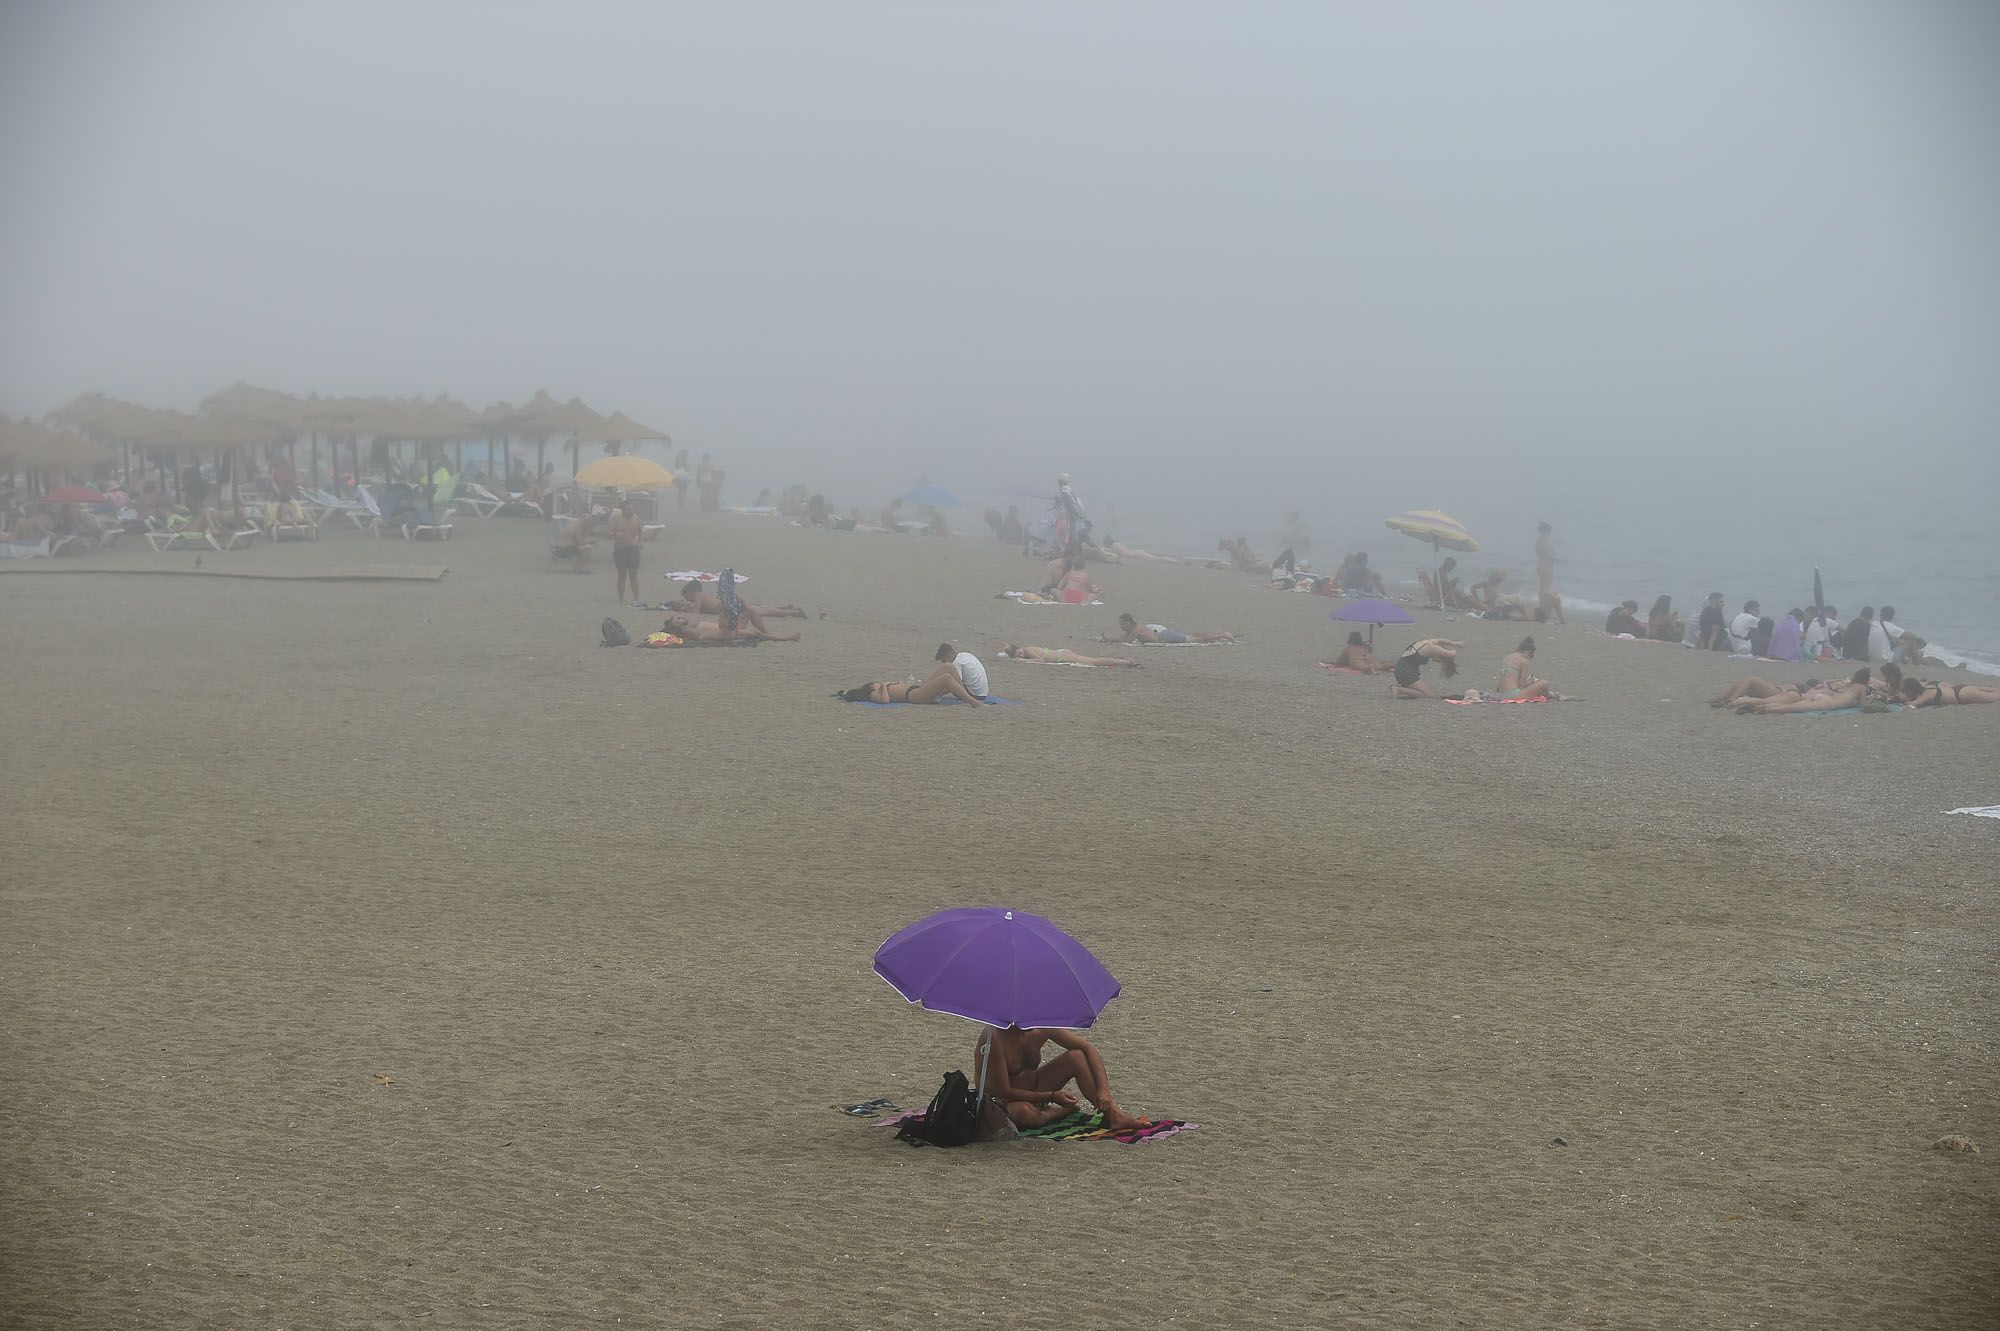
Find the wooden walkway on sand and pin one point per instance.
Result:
(354, 573)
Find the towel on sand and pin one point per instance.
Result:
(1979, 810)
(947, 701)
(696, 575)
(1080, 1127)
(1343, 670)
(1036, 598)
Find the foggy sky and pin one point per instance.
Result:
(1159, 244)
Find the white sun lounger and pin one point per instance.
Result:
(482, 501)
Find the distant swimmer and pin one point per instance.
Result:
(1158, 634)
(1410, 665)
(1060, 656)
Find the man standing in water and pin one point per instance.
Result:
(1545, 569)
(626, 533)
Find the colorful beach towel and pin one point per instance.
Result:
(1078, 1127)
(947, 701)
(1480, 702)
(1036, 598)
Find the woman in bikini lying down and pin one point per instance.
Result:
(943, 681)
(1060, 656)
(1825, 698)
(1919, 694)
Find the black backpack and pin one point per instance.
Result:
(951, 1120)
(615, 634)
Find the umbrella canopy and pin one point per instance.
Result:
(631, 472)
(617, 428)
(931, 496)
(1000, 967)
(74, 494)
(1372, 612)
(1433, 527)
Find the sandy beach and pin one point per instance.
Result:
(392, 954)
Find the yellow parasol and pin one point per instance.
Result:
(1440, 531)
(631, 472)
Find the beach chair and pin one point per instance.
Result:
(321, 505)
(108, 532)
(174, 538)
(439, 530)
(369, 516)
(242, 536)
(482, 501)
(278, 528)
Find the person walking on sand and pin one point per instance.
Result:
(1031, 1091)
(626, 534)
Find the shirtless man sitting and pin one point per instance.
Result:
(1031, 1091)
(700, 630)
(698, 599)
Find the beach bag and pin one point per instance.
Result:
(951, 1120)
(615, 634)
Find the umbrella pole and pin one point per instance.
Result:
(985, 1058)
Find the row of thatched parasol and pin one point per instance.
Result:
(94, 428)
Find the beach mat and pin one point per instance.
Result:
(1481, 702)
(1339, 670)
(1979, 810)
(1078, 1127)
(947, 701)
(1018, 598)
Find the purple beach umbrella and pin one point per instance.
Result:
(1000, 967)
(1373, 614)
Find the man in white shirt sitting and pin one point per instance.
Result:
(1741, 627)
(970, 672)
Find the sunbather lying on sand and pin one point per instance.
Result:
(1919, 694)
(1756, 688)
(1356, 656)
(1134, 631)
(698, 599)
(1060, 656)
(700, 630)
(1825, 698)
(1031, 1091)
(1124, 551)
(944, 680)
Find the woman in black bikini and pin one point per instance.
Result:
(1410, 666)
(944, 681)
(1921, 695)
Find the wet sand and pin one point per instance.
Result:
(1621, 1013)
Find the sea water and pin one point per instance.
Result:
(1927, 545)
